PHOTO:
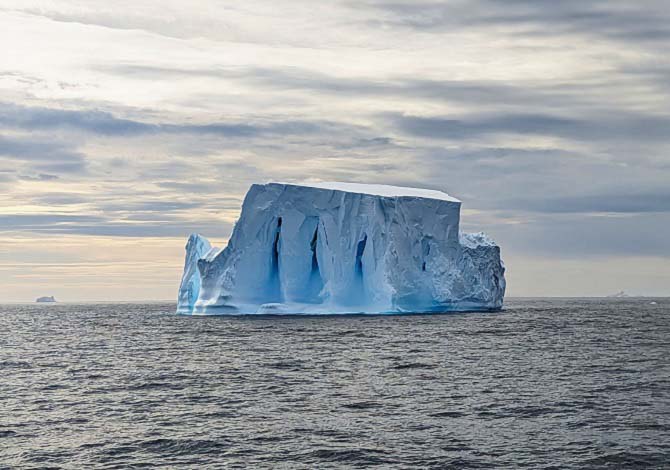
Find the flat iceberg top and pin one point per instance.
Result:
(382, 190)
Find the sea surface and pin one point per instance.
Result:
(545, 384)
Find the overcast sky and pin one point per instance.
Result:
(127, 125)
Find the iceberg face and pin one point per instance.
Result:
(197, 247)
(343, 248)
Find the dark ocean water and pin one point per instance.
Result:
(560, 383)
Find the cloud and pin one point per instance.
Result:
(135, 225)
(36, 150)
(6, 177)
(141, 17)
(647, 21)
(575, 236)
(149, 206)
(43, 156)
(39, 118)
(59, 198)
(43, 221)
(596, 127)
(464, 127)
(626, 203)
(39, 177)
(153, 228)
(474, 92)
(106, 124)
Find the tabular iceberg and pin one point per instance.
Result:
(343, 248)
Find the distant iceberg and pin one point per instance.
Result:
(49, 299)
(619, 295)
(324, 248)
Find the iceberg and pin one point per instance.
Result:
(330, 248)
(197, 248)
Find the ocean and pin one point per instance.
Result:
(544, 384)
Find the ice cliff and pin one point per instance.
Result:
(343, 248)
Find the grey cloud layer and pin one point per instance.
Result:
(631, 203)
(645, 20)
(487, 93)
(566, 110)
(87, 225)
(43, 156)
(105, 123)
(599, 127)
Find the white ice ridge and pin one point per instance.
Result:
(328, 248)
(383, 190)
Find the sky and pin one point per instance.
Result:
(127, 125)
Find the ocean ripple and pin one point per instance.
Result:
(545, 384)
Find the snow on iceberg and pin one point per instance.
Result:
(343, 248)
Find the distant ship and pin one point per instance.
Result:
(46, 299)
(618, 295)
